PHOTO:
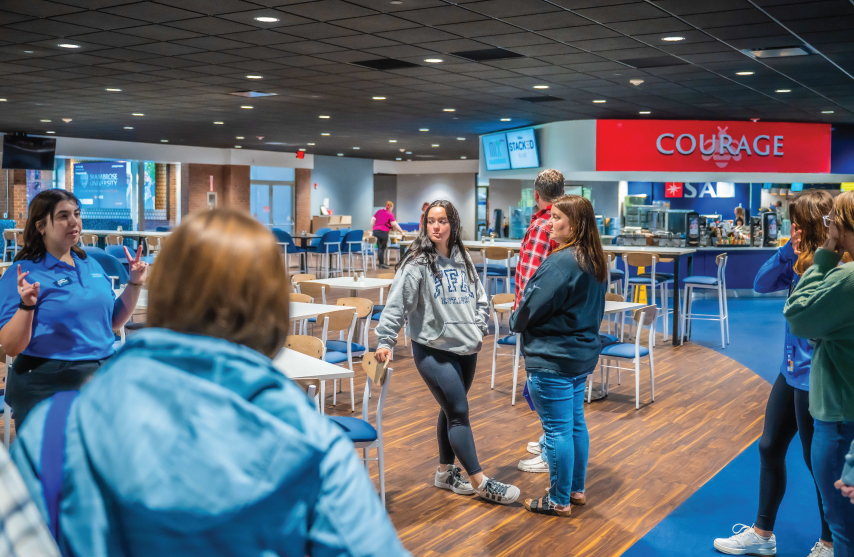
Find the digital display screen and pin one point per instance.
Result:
(798, 186)
(103, 185)
(495, 152)
(28, 153)
(522, 147)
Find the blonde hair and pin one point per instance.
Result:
(843, 207)
(221, 274)
(389, 205)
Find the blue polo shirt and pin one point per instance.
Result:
(73, 319)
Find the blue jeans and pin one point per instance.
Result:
(830, 444)
(559, 400)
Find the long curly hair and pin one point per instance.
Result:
(423, 248)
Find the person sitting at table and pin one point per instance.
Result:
(439, 294)
(382, 223)
(58, 310)
(189, 441)
(559, 317)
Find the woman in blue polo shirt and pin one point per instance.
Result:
(57, 309)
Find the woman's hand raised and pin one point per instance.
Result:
(29, 292)
(138, 269)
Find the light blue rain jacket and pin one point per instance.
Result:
(189, 445)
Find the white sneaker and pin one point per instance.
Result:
(746, 542)
(536, 464)
(821, 550)
(452, 479)
(493, 490)
(534, 447)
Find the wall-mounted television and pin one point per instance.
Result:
(495, 152)
(522, 146)
(28, 153)
(103, 185)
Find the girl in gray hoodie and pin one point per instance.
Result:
(438, 291)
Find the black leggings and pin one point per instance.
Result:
(787, 413)
(449, 377)
(382, 244)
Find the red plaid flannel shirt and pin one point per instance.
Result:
(536, 246)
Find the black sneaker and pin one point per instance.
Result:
(452, 478)
(493, 490)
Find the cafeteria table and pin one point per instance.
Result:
(296, 365)
(356, 285)
(303, 240)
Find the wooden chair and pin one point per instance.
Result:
(301, 277)
(512, 340)
(644, 317)
(652, 280)
(305, 299)
(370, 249)
(89, 240)
(361, 432)
(493, 273)
(316, 290)
(114, 239)
(310, 346)
(343, 321)
(364, 308)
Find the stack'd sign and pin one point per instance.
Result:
(698, 146)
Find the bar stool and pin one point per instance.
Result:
(615, 276)
(717, 283)
(513, 341)
(653, 280)
(496, 272)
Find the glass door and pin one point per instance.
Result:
(271, 203)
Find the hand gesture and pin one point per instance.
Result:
(796, 240)
(382, 354)
(29, 292)
(832, 243)
(138, 269)
(847, 490)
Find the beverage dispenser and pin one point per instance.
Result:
(692, 237)
(769, 229)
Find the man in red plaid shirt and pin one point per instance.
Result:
(536, 246)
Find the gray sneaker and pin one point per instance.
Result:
(821, 550)
(497, 492)
(452, 478)
(746, 542)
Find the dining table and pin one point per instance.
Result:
(296, 365)
(357, 284)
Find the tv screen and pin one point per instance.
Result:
(28, 153)
(103, 185)
(798, 186)
(523, 149)
(495, 152)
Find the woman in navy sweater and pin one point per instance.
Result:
(559, 317)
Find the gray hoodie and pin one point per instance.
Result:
(447, 313)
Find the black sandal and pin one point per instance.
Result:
(545, 506)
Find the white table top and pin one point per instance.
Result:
(299, 366)
(302, 310)
(649, 249)
(133, 233)
(349, 283)
(610, 307)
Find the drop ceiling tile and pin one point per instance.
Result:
(376, 23)
(622, 12)
(49, 27)
(440, 16)
(308, 47)
(327, 10)
(210, 25)
(586, 32)
(211, 43)
(262, 37)
(160, 33)
(614, 43)
(509, 8)
(213, 57)
(38, 8)
(516, 40)
(152, 12)
(110, 38)
(361, 41)
(459, 45)
(418, 35)
(319, 31)
(98, 20)
(478, 28)
(728, 18)
(166, 49)
(248, 18)
(212, 7)
(553, 20)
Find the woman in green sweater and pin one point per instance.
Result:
(822, 309)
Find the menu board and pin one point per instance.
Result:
(495, 152)
(522, 146)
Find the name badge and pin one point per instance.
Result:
(62, 282)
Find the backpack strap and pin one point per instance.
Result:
(53, 456)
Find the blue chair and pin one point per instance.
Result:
(112, 266)
(645, 316)
(163, 229)
(330, 244)
(351, 244)
(315, 242)
(660, 283)
(287, 242)
(716, 283)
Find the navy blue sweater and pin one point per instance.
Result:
(559, 317)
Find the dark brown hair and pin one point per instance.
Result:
(806, 213)
(42, 208)
(549, 184)
(423, 248)
(583, 235)
(221, 274)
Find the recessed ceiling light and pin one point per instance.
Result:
(506, 119)
(219, 123)
(461, 139)
(449, 110)
(644, 112)
(247, 106)
(113, 89)
(45, 120)
(673, 39)
(137, 114)
(301, 149)
(599, 101)
(744, 73)
(433, 60)
(398, 159)
(378, 98)
(310, 144)
(340, 154)
(541, 86)
(66, 120)
(128, 127)
(463, 157)
(254, 77)
(49, 132)
(28, 52)
(397, 2)
(69, 45)
(324, 117)
(435, 145)
(827, 112)
(265, 19)
(783, 91)
(392, 141)
(239, 137)
(424, 129)
(164, 141)
(238, 147)
(324, 134)
(355, 148)
(2, 100)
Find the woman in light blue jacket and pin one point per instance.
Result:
(190, 442)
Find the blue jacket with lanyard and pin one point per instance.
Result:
(189, 445)
(778, 273)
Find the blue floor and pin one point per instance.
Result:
(731, 496)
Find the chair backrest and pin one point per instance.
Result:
(114, 239)
(89, 239)
(112, 266)
(331, 237)
(314, 242)
(316, 290)
(282, 236)
(305, 344)
(297, 297)
(646, 316)
(502, 299)
(9, 235)
(302, 277)
(116, 251)
(636, 259)
(352, 241)
(497, 254)
(611, 297)
(339, 320)
(364, 307)
(387, 276)
(376, 373)
(721, 260)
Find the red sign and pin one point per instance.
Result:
(700, 146)
(673, 189)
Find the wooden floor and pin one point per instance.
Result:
(643, 463)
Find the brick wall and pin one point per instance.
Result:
(230, 182)
(302, 200)
(160, 186)
(173, 192)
